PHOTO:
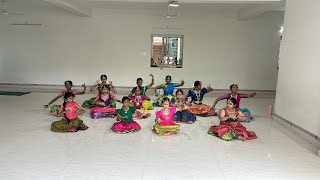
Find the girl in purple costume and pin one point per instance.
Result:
(103, 102)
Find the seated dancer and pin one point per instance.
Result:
(182, 114)
(103, 106)
(146, 103)
(196, 94)
(126, 124)
(164, 120)
(68, 85)
(234, 93)
(168, 89)
(98, 86)
(70, 111)
(137, 102)
(230, 127)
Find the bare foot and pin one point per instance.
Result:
(84, 127)
(74, 129)
(168, 133)
(241, 138)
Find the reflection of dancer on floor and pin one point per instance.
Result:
(234, 93)
(230, 127)
(68, 85)
(69, 111)
(126, 123)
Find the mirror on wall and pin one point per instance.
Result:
(166, 51)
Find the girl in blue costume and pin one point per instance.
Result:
(168, 89)
(182, 114)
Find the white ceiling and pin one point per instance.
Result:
(28, 7)
(184, 4)
(25, 6)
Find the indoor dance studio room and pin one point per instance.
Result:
(159, 90)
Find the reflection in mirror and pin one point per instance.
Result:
(167, 51)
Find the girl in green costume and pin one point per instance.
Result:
(98, 86)
(68, 85)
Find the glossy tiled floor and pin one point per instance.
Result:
(29, 150)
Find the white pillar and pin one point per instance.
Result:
(298, 88)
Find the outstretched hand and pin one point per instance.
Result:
(254, 94)
(97, 82)
(209, 88)
(79, 112)
(46, 106)
(182, 82)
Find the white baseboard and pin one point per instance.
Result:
(53, 88)
(304, 134)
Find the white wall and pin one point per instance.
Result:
(298, 83)
(218, 49)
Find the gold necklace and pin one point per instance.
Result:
(166, 115)
(137, 102)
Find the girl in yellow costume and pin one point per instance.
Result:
(168, 89)
(138, 102)
(146, 104)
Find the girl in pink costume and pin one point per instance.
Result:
(234, 93)
(137, 102)
(164, 119)
(68, 85)
(230, 127)
(70, 111)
